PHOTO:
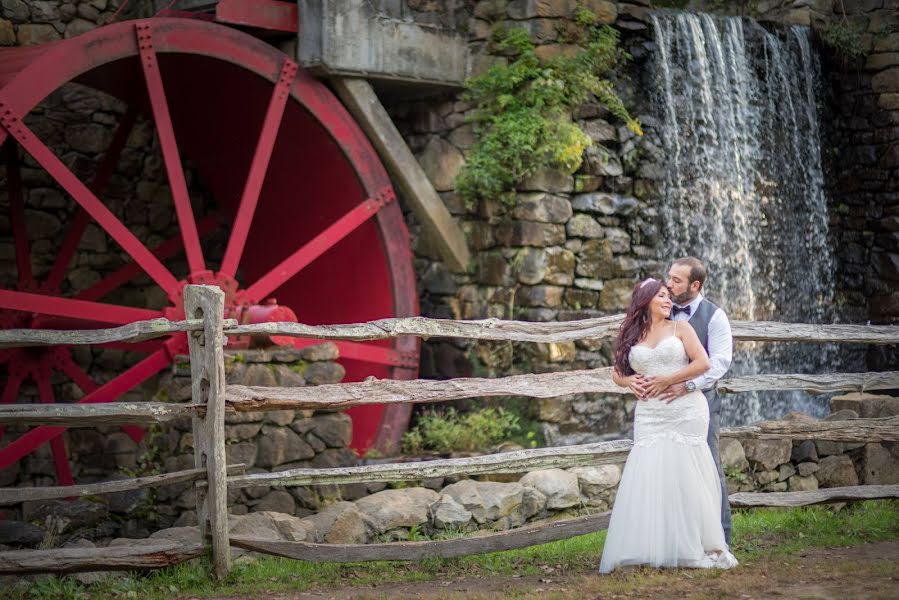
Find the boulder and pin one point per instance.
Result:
(879, 464)
(279, 445)
(441, 162)
(768, 454)
(798, 483)
(732, 454)
(448, 514)
(807, 468)
(592, 481)
(804, 452)
(560, 487)
(20, 534)
(584, 226)
(277, 501)
(836, 471)
(544, 208)
(486, 500)
(391, 509)
(269, 525)
(867, 406)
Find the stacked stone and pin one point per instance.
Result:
(265, 441)
(571, 247)
(41, 21)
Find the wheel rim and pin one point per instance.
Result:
(276, 242)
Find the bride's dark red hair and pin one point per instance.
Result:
(636, 323)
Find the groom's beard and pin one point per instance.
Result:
(683, 299)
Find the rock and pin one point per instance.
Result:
(242, 453)
(441, 162)
(605, 11)
(584, 226)
(277, 501)
(287, 377)
(321, 352)
(559, 266)
(765, 477)
(828, 448)
(768, 454)
(279, 445)
(89, 138)
(732, 455)
(269, 525)
(785, 471)
(804, 452)
(592, 481)
(449, 514)
(334, 429)
(594, 260)
(397, 508)
(544, 208)
(245, 431)
(486, 500)
(493, 269)
(798, 483)
(777, 486)
(41, 225)
(807, 468)
(16, 10)
(259, 375)
(868, 406)
(34, 34)
(61, 516)
(879, 464)
(20, 534)
(605, 204)
(539, 295)
(885, 81)
(349, 527)
(182, 535)
(533, 502)
(437, 279)
(279, 417)
(7, 33)
(836, 471)
(548, 180)
(560, 487)
(616, 294)
(321, 373)
(599, 130)
(532, 264)
(529, 233)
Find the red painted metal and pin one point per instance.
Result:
(321, 168)
(260, 14)
(258, 167)
(83, 196)
(106, 393)
(76, 309)
(341, 228)
(79, 224)
(366, 352)
(17, 215)
(169, 146)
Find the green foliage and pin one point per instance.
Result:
(845, 39)
(464, 432)
(523, 115)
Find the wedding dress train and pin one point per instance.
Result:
(667, 511)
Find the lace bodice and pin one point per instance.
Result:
(667, 357)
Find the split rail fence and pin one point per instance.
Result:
(212, 399)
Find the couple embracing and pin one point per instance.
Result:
(671, 509)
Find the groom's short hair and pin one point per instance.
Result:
(697, 269)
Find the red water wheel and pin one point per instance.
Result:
(305, 209)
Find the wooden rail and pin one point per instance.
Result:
(138, 331)
(113, 558)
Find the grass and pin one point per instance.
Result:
(760, 534)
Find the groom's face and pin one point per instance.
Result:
(682, 291)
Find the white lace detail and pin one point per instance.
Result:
(671, 436)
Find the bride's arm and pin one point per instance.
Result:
(699, 364)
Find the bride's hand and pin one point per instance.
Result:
(637, 384)
(656, 385)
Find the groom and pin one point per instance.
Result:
(685, 280)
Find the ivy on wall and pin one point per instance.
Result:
(523, 109)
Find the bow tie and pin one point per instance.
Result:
(680, 309)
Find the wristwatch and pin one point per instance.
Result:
(691, 386)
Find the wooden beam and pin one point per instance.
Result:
(438, 224)
(207, 372)
(561, 331)
(885, 429)
(138, 331)
(113, 558)
(21, 494)
(541, 385)
(521, 537)
(90, 415)
(822, 496)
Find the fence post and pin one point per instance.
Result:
(207, 372)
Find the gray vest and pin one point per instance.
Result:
(700, 323)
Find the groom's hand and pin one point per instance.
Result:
(673, 393)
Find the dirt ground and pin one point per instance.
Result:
(869, 571)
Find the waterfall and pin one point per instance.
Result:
(744, 187)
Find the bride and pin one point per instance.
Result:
(667, 510)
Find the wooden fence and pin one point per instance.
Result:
(212, 399)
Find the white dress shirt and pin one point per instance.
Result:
(721, 344)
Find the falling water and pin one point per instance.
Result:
(744, 188)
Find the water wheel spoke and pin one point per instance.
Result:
(97, 186)
(315, 247)
(74, 372)
(105, 393)
(86, 199)
(57, 444)
(365, 352)
(258, 169)
(17, 215)
(169, 146)
(75, 309)
(164, 251)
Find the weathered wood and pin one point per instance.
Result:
(563, 331)
(815, 384)
(138, 331)
(822, 496)
(90, 415)
(439, 225)
(80, 560)
(388, 391)
(519, 461)
(542, 385)
(21, 494)
(884, 429)
(207, 369)
(522, 537)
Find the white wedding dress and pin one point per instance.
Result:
(667, 512)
